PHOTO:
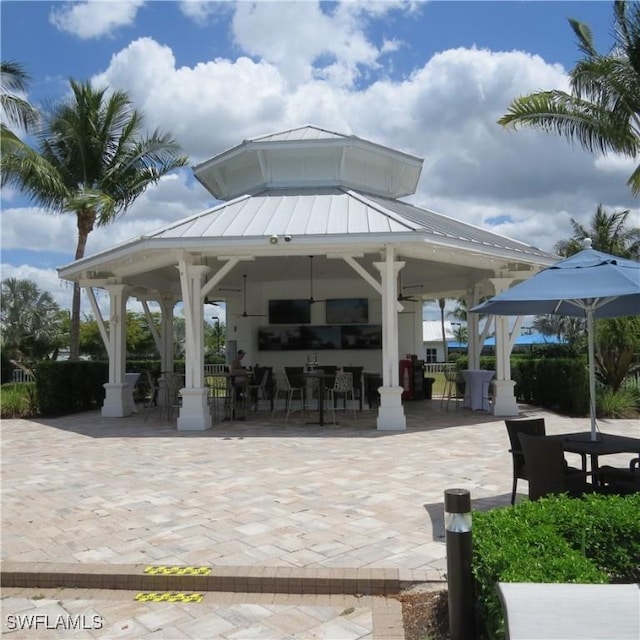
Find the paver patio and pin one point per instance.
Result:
(89, 490)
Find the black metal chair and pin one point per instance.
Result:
(547, 469)
(260, 388)
(531, 426)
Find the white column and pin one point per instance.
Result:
(474, 347)
(117, 394)
(504, 399)
(166, 334)
(390, 413)
(194, 412)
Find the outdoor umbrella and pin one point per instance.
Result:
(589, 284)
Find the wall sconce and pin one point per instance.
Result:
(273, 239)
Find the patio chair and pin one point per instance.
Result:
(547, 470)
(342, 386)
(531, 426)
(150, 393)
(453, 389)
(285, 386)
(260, 387)
(356, 372)
(620, 480)
(220, 396)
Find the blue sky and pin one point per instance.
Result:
(429, 78)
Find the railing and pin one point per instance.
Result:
(212, 369)
(438, 367)
(20, 375)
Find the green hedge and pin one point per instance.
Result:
(69, 387)
(65, 387)
(559, 384)
(595, 539)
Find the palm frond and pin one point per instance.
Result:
(562, 114)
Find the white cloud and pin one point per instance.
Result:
(444, 111)
(94, 18)
(306, 42)
(201, 11)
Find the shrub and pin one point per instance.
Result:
(68, 387)
(622, 403)
(18, 400)
(556, 539)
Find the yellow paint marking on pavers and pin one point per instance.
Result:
(177, 571)
(172, 596)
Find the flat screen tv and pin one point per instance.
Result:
(347, 311)
(364, 336)
(289, 311)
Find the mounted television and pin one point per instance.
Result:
(279, 339)
(289, 311)
(366, 336)
(320, 337)
(347, 311)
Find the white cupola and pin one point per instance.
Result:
(308, 157)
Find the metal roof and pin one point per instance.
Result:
(309, 157)
(332, 212)
(323, 194)
(432, 331)
(305, 132)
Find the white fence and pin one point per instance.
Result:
(438, 367)
(212, 369)
(20, 375)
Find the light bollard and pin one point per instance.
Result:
(457, 524)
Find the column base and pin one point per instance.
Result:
(117, 400)
(391, 412)
(194, 412)
(504, 400)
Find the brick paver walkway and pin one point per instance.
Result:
(86, 490)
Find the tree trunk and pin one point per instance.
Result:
(86, 219)
(441, 303)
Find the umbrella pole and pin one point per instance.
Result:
(592, 374)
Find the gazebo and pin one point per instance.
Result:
(311, 226)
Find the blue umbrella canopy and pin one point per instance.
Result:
(590, 279)
(589, 284)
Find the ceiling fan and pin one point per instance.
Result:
(244, 313)
(401, 296)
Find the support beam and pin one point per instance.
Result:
(117, 401)
(391, 412)
(194, 412)
(504, 399)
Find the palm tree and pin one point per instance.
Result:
(13, 84)
(445, 351)
(93, 160)
(16, 110)
(617, 340)
(30, 321)
(601, 112)
(608, 233)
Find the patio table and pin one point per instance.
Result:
(606, 444)
(475, 381)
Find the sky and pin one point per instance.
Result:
(427, 78)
